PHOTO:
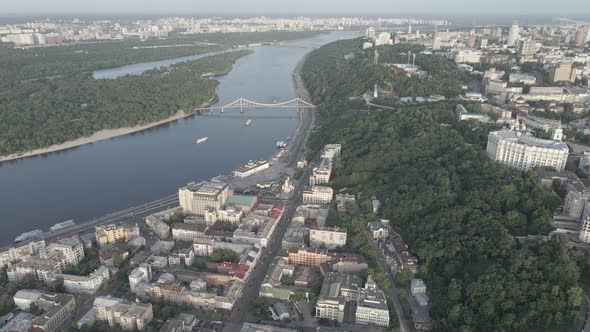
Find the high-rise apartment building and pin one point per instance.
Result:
(563, 72)
(513, 34)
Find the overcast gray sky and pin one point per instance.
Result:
(378, 7)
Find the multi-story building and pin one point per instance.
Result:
(20, 251)
(524, 151)
(142, 273)
(371, 305)
(89, 284)
(563, 72)
(329, 237)
(527, 48)
(337, 289)
(196, 198)
(202, 247)
(378, 230)
(585, 224)
(123, 314)
(188, 232)
(115, 233)
(576, 198)
(522, 78)
(40, 268)
(344, 200)
(383, 38)
(317, 195)
(309, 257)
(56, 308)
(513, 34)
(71, 248)
(181, 257)
(331, 151)
(321, 174)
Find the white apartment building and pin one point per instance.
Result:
(576, 198)
(123, 314)
(317, 195)
(188, 232)
(523, 151)
(329, 237)
(182, 257)
(383, 38)
(372, 305)
(85, 284)
(140, 274)
(20, 251)
(71, 248)
(41, 269)
(321, 175)
(196, 198)
(563, 72)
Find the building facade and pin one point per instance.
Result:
(122, 314)
(317, 195)
(525, 152)
(196, 198)
(115, 233)
(329, 237)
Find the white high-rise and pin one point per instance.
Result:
(513, 34)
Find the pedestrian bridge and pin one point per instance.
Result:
(244, 103)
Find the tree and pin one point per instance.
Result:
(224, 255)
(5, 307)
(59, 285)
(33, 307)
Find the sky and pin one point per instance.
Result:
(294, 7)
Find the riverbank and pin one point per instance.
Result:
(98, 136)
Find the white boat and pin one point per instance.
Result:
(201, 140)
(36, 234)
(61, 225)
(248, 122)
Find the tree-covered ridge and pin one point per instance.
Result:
(41, 113)
(332, 78)
(459, 212)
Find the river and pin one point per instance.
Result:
(95, 179)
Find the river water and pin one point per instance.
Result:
(95, 179)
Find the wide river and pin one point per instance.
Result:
(95, 179)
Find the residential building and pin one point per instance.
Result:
(142, 273)
(337, 289)
(181, 257)
(522, 78)
(378, 230)
(317, 195)
(89, 284)
(115, 233)
(158, 226)
(575, 199)
(321, 175)
(188, 232)
(383, 38)
(56, 308)
(523, 151)
(329, 237)
(195, 198)
(344, 200)
(294, 238)
(40, 268)
(202, 247)
(70, 248)
(309, 257)
(563, 72)
(25, 297)
(371, 305)
(513, 34)
(19, 251)
(123, 314)
(527, 49)
(347, 262)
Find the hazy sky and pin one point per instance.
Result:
(377, 7)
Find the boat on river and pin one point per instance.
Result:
(248, 122)
(201, 140)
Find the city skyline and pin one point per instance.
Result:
(307, 7)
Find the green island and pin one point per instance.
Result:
(48, 96)
(465, 217)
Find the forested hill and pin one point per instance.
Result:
(44, 112)
(459, 212)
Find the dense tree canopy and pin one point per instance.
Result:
(41, 113)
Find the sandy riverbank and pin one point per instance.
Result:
(98, 136)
